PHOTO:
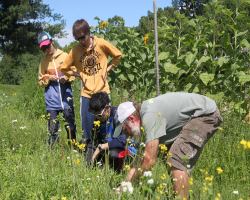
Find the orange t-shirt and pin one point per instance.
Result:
(92, 65)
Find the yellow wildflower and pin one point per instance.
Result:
(81, 146)
(190, 181)
(103, 24)
(142, 129)
(145, 39)
(209, 178)
(64, 198)
(219, 170)
(77, 161)
(218, 196)
(97, 123)
(245, 144)
(163, 177)
(163, 148)
(127, 167)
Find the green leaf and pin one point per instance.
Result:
(203, 59)
(131, 77)
(206, 78)
(127, 65)
(122, 77)
(244, 78)
(171, 68)
(163, 55)
(189, 58)
(242, 33)
(222, 60)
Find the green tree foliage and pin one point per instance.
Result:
(208, 54)
(190, 8)
(21, 20)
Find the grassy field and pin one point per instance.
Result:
(29, 170)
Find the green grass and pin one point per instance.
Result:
(29, 170)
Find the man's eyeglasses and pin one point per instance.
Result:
(44, 47)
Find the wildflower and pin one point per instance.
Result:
(64, 198)
(14, 121)
(209, 178)
(150, 181)
(142, 144)
(145, 39)
(219, 170)
(142, 129)
(163, 177)
(103, 24)
(218, 196)
(163, 148)
(127, 187)
(147, 174)
(81, 146)
(127, 167)
(236, 192)
(245, 144)
(190, 181)
(97, 123)
(77, 161)
(22, 127)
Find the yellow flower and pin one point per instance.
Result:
(190, 181)
(163, 148)
(209, 178)
(219, 170)
(142, 129)
(245, 144)
(218, 196)
(145, 39)
(64, 198)
(103, 24)
(77, 161)
(97, 123)
(81, 146)
(163, 177)
(127, 167)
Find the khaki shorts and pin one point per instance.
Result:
(186, 149)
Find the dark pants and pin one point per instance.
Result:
(69, 117)
(87, 119)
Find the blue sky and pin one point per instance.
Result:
(129, 10)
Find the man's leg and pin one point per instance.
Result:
(181, 184)
(87, 119)
(53, 126)
(187, 148)
(70, 126)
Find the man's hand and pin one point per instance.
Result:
(125, 186)
(63, 79)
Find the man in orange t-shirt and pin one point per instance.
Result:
(90, 57)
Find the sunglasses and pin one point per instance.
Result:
(83, 37)
(45, 47)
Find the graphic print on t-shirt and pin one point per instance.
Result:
(90, 63)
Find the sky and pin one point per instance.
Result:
(130, 10)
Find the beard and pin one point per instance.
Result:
(135, 129)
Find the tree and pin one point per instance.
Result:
(190, 8)
(21, 20)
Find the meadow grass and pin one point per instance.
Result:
(30, 170)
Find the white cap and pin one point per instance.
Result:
(124, 110)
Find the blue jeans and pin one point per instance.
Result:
(87, 118)
(70, 126)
